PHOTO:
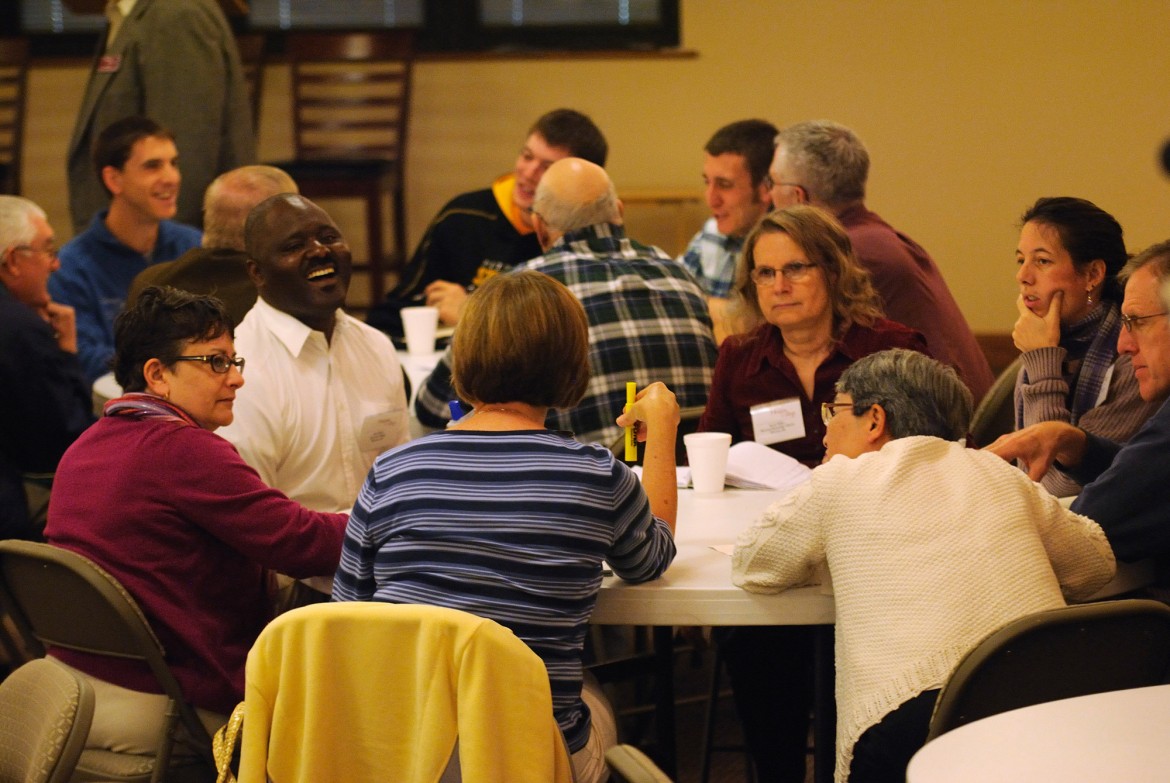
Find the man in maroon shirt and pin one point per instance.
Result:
(825, 164)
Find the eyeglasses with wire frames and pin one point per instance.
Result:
(770, 183)
(1128, 321)
(793, 273)
(51, 252)
(220, 362)
(829, 410)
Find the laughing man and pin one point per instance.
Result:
(325, 392)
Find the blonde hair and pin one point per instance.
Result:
(232, 195)
(825, 243)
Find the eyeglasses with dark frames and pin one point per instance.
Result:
(793, 273)
(1129, 320)
(220, 362)
(829, 410)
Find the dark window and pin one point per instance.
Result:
(51, 16)
(352, 14)
(443, 25)
(577, 24)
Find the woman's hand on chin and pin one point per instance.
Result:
(1034, 331)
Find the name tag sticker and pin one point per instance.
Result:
(779, 421)
(378, 431)
(110, 63)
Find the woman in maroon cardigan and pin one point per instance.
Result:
(169, 508)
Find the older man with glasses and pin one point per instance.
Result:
(1128, 487)
(44, 399)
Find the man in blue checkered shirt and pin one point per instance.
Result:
(736, 187)
(648, 317)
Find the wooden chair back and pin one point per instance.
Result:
(351, 94)
(253, 57)
(13, 86)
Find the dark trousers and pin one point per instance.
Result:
(883, 751)
(771, 672)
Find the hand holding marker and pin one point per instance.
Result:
(631, 443)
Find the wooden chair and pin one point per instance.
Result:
(350, 107)
(13, 86)
(58, 598)
(251, 47)
(45, 714)
(1058, 654)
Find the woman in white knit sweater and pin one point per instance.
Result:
(931, 547)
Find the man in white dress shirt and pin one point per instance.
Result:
(325, 392)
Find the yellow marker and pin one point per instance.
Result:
(631, 443)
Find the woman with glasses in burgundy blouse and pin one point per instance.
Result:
(820, 313)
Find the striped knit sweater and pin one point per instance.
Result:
(511, 526)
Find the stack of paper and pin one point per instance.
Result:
(752, 465)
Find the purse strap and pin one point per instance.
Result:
(224, 744)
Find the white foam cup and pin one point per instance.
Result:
(707, 455)
(420, 325)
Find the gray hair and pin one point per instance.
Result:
(565, 215)
(921, 396)
(828, 161)
(1157, 255)
(16, 226)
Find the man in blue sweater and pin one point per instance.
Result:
(138, 163)
(1126, 487)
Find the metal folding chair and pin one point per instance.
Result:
(58, 598)
(1058, 654)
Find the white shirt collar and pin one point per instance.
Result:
(293, 334)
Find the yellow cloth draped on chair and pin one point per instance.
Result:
(375, 691)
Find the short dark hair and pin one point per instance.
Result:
(1087, 232)
(257, 220)
(755, 140)
(921, 396)
(522, 337)
(158, 324)
(575, 132)
(115, 142)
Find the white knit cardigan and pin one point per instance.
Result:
(931, 547)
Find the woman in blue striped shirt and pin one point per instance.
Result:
(502, 518)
